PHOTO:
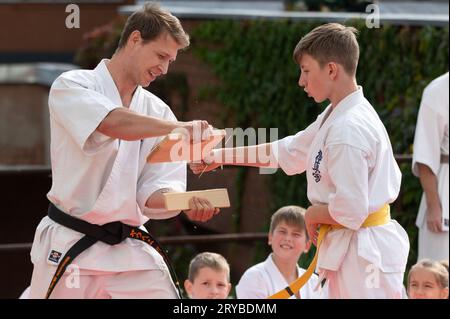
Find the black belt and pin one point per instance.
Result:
(444, 158)
(111, 234)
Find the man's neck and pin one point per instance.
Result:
(342, 91)
(125, 85)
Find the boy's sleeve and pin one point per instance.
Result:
(291, 151)
(80, 110)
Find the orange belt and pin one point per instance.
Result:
(378, 218)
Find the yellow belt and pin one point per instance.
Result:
(380, 217)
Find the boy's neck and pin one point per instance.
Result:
(342, 90)
(287, 267)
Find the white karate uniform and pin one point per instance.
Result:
(265, 279)
(350, 166)
(430, 141)
(100, 180)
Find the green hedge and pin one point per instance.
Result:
(259, 88)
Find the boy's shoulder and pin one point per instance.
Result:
(360, 127)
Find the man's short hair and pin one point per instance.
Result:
(291, 215)
(151, 21)
(331, 42)
(210, 260)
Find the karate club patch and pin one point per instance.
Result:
(316, 171)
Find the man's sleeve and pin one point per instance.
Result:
(79, 109)
(428, 137)
(157, 176)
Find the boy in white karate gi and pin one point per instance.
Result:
(289, 240)
(209, 277)
(350, 167)
(103, 125)
(430, 164)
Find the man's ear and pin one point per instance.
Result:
(134, 38)
(188, 287)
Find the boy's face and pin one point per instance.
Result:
(423, 284)
(288, 242)
(149, 60)
(208, 284)
(315, 80)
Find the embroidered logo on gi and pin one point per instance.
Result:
(54, 256)
(316, 171)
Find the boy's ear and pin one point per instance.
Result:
(269, 239)
(188, 287)
(229, 289)
(332, 70)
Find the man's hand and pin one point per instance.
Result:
(434, 218)
(195, 131)
(201, 210)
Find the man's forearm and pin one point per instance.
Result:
(127, 125)
(429, 184)
(156, 200)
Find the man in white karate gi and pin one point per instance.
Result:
(103, 125)
(430, 164)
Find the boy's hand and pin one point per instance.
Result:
(201, 210)
(206, 165)
(311, 226)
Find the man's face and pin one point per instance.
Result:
(150, 60)
(209, 284)
(288, 241)
(314, 79)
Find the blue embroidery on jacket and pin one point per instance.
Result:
(316, 171)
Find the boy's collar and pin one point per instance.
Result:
(352, 98)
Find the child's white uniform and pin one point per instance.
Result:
(265, 279)
(430, 141)
(100, 180)
(350, 166)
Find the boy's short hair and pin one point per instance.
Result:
(291, 215)
(210, 260)
(439, 269)
(331, 42)
(151, 21)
